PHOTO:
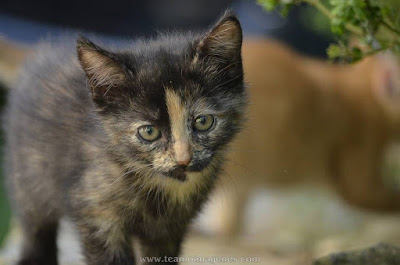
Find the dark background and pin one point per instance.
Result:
(30, 20)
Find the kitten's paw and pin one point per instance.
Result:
(36, 261)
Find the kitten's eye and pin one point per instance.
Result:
(203, 123)
(149, 133)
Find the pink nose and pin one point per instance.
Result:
(185, 161)
(182, 153)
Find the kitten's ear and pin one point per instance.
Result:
(386, 79)
(223, 41)
(105, 74)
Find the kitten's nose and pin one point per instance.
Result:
(184, 161)
(182, 153)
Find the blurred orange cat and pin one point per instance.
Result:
(311, 122)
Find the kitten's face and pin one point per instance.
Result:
(170, 105)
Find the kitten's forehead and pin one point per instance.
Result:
(161, 70)
(163, 103)
(178, 117)
(162, 52)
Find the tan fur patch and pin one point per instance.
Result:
(178, 115)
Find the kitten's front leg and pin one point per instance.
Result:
(160, 252)
(106, 247)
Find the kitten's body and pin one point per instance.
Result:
(74, 148)
(313, 123)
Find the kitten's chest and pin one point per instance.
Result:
(160, 218)
(160, 208)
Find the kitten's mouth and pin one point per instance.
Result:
(180, 172)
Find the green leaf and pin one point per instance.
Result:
(376, 23)
(269, 5)
(334, 51)
(356, 54)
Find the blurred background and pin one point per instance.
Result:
(282, 225)
(28, 21)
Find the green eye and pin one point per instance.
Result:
(149, 133)
(203, 122)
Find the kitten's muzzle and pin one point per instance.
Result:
(184, 161)
(180, 171)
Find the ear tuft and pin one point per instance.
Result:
(386, 77)
(224, 40)
(101, 68)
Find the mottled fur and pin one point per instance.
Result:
(73, 147)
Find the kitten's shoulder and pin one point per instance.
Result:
(52, 74)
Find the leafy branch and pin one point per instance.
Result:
(363, 27)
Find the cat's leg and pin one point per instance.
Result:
(161, 251)
(39, 241)
(359, 179)
(38, 213)
(232, 199)
(105, 246)
(237, 202)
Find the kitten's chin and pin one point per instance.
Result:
(178, 173)
(181, 173)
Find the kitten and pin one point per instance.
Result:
(126, 142)
(313, 123)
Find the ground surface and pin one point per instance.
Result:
(281, 229)
(197, 247)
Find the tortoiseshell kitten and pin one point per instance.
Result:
(126, 142)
